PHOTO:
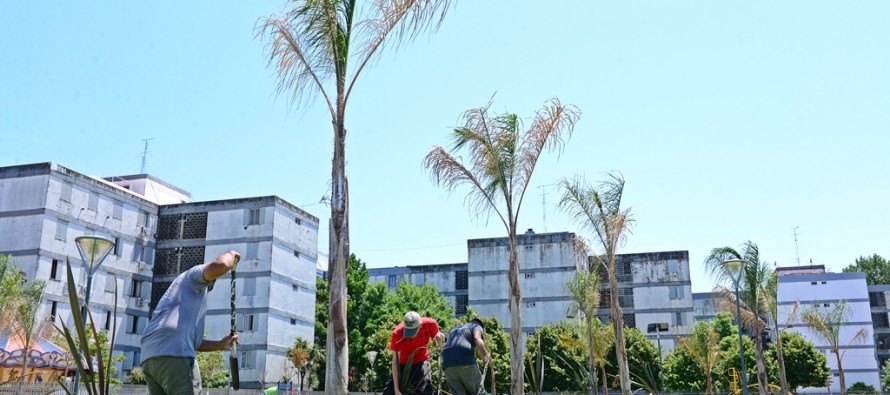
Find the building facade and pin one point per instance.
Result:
(823, 291)
(44, 207)
(653, 287)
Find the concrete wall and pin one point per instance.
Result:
(828, 289)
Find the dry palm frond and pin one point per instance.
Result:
(727, 302)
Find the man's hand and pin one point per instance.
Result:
(230, 339)
(486, 358)
(440, 339)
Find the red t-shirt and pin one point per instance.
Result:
(429, 328)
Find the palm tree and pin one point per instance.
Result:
(751, 284)
(599, 209)
(585, 292)
(603, 338)
(827, 323)
(703, 346)
(501, 161)
(771, 301)
(310, 45)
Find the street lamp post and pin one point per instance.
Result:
(372, 356)
(658, 328)
(93, 250)
(735, 267)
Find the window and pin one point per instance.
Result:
(813, 283)
(529, 275)
(61, 230)
(93, 203)
(460, 307)
(253, 216)
(297, 221)
(107, 320)
(296, 253)
(138, 253)
(461, 280)
(54, 270)
(246, 323)
(529, 304)
(136, 288)
(66, 192)
(529, 247)
(293, 321)
(118, 211)
(676, 292)
(391, 281)
(252, 251)
(246, 360)
(117, 246)
(673, 267)
(825, 282)
(249, 286)
(295, 287)
(678, 318)
(137, 358)
(53, 308)
(110, 283)
(134, 324)
(826, 304)
(146, 219)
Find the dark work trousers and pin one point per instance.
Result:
(419, 380)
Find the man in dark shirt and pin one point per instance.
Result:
(459, 358)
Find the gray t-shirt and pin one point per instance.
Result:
(460, 346)
(176, 328)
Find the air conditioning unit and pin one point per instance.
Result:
(143, 231)
(140, 265)
(140, 302)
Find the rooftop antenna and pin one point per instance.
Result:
(796, 244)
(544, 203)
(144, 155)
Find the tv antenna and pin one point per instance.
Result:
(544, 203)
(144, 155)
(796, 244)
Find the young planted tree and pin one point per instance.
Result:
(703, 347)
(501, 158)
(752, 283)
(770, 296)
(322, 47)
(599, 210)
(585, 292)
(826, 323)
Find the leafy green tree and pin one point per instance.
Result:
(753, 281)
(564, 352)
(501, 159)
(213, 369)
(302, 356)
(682, 373)
(885, 376)
(724, 325)
(311, 47)
(861, 388)
(875, 267)
(599, 209)
(826, 323)
(729, 360)
(642, 361)
(805, 365)
(703, 347)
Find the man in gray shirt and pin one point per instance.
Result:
(175, 332)
(459, 359)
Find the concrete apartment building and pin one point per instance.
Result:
(877, 297)
(654, 287)
(158, 233)
(811, 287)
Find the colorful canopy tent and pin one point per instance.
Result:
(46, 361)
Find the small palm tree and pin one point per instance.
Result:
(770, 296)
(599, 210)
(501, 160)
(827, 323)
(703, 346)
(752, 282)
(603, 339)
(585, 292)
(312, 47)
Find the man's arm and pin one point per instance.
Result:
(221, 265)
(395, 372)
(477, 337)
(216, 345)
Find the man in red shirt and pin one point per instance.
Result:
(410, 341)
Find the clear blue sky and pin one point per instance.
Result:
(730, 121)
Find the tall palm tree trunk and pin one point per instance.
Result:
(710, 387)
(605, 379)
(618, 326)
(762, 383)
(516, 365)
(840, 370)
(336, 370)
(783, 379)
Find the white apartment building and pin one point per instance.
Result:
(158, 233)
(825, 290)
